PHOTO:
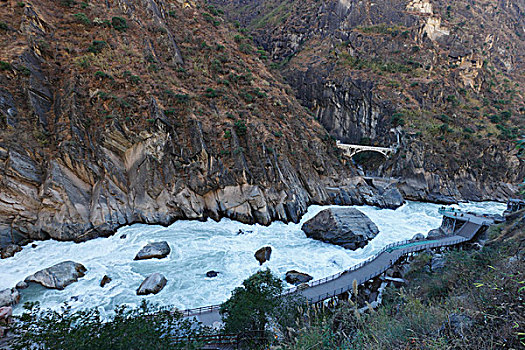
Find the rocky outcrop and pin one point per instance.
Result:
(9, 296)
(21, 285)
(297, 278)
(10, 250)
(263, 255)
(211, 274)
(437, 263)
(347, 227)
(98, 153)
(436, 233)
(153, 284)
(58, 276)
(363, 193)
(409, 73)
(459, 324)
(6, 315)
(104, 281)
(418, 237)
(156, 250)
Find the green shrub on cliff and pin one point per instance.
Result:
(119, 24)
(82, 18)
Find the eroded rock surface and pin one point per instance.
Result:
(9, 296)
(58, 276)
(10, 251)
(297, 278)
(347, 227)
(156, 250)
(344, 60)
(153, 284)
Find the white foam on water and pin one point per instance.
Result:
(197, 247)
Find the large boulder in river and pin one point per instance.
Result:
(58, 276)
(263, 255)
(9, 296)
(297, 278)
(346, 227)
(157, 250)
(418, 237)
(105, 280)
(153, 284)
(212, 274)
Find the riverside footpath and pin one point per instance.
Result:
(466, 226)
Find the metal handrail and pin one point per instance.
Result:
(414, 248)
(403, 252)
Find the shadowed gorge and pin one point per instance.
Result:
(444, 76)
(272, 173)
(146, 111)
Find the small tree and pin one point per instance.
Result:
(251, 305)
(145, 327)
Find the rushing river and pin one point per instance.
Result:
(197, 247)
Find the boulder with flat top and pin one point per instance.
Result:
(156, 250)
(58, 276)
(153, 284)
(296, 278)
(346, 227)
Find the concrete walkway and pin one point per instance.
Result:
(342, 282)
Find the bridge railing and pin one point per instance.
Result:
(368, 277)
(414, 248)
(207, 339)
(351, 269)
(200, 310)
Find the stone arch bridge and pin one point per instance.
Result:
(352, 150)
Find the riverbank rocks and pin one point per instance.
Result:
(153, 284)
(263, 255)
(346, 227)
(212, 274)
(296, 278)
(6, 315)
(418, 237)
(436, 233)
(156, 250)
(58, 276)
(105, 280)
(9, 296)
(10, 251)
(21, 285)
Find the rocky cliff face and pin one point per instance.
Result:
(446, 77)
(148, 111)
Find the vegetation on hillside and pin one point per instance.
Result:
(476, 302)
(193, 66)
(449, 76)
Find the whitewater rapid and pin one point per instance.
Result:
(198, 247)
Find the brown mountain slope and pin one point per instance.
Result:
(114, 112)
(446, 76)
